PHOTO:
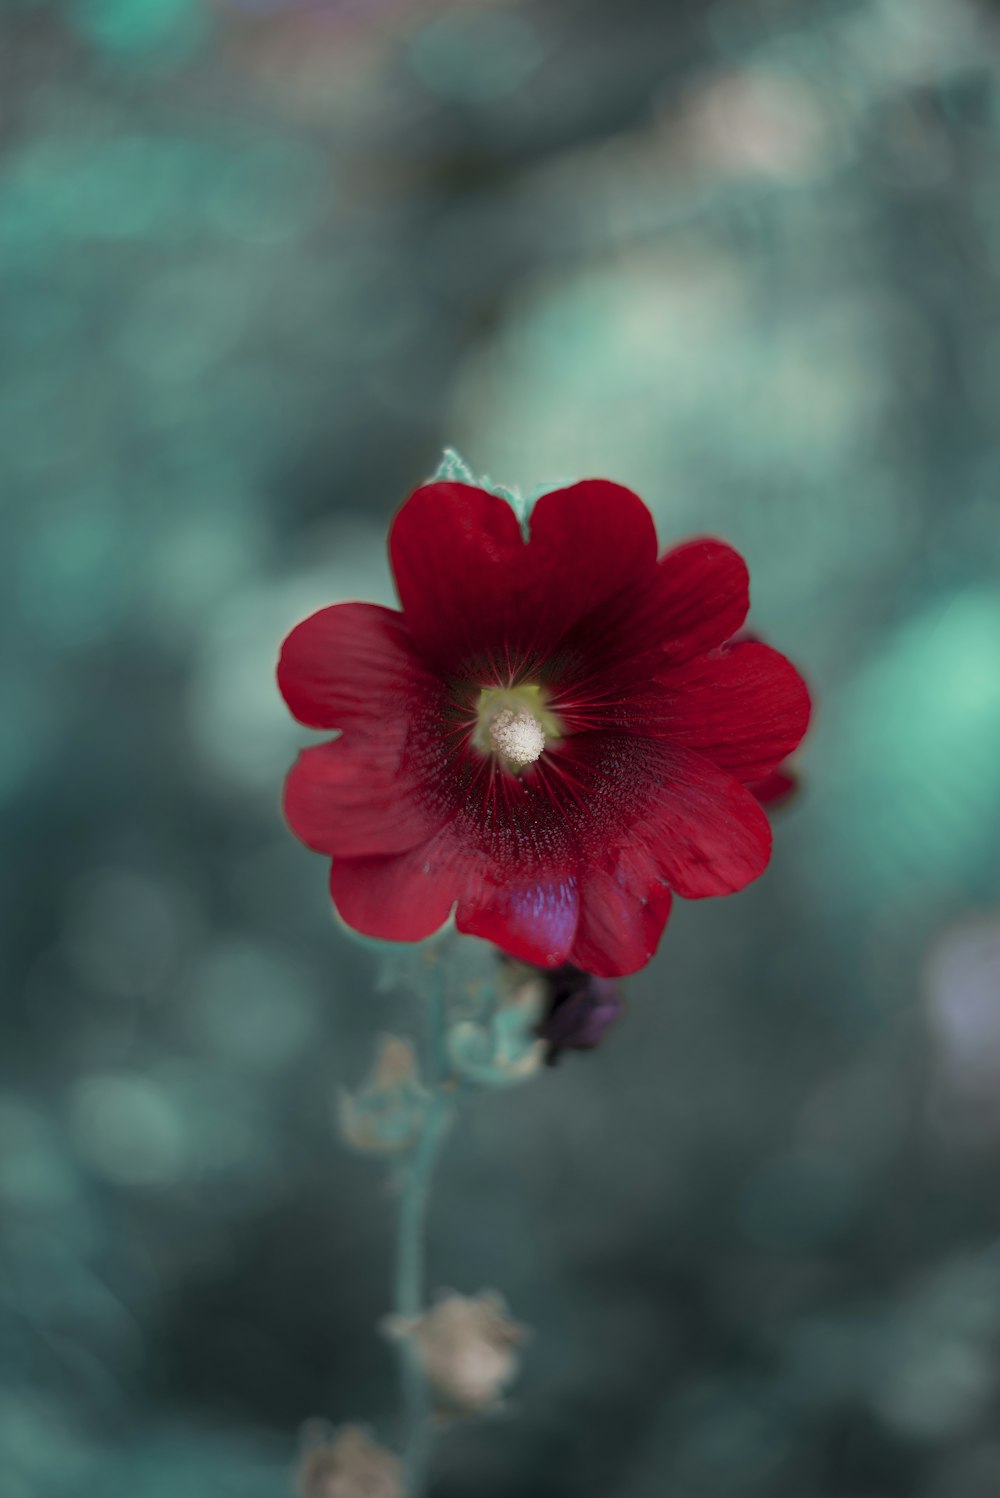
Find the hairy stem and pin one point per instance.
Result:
(410, 1253)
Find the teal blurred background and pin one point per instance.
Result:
(260, 260)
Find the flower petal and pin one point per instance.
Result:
(478, 598)
(589, 542)
(459, 561)
(704, 595)
(712, 837)
(660, 812)
(745, 708)
(533, 920)
(776, 789)
(410, 896)
(608, 823)
(405, 897)
(620, 924)
(356, 796)
(351, 664)
(605, 667)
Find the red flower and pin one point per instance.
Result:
(548, 739)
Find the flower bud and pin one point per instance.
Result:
(580, 1010)
(467, 1348)
(388, 1113)
(500, 1046)
(349, 1465)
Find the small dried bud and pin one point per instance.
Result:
(349, 1465)
(467, 1346)
(387, 1115)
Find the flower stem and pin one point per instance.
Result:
(410, 1254)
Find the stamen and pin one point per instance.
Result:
(514, 725)
(518, 736)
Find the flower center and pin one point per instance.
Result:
(514, 724)
(518, 737)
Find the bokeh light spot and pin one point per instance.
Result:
(127, 1128)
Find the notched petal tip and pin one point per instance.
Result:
(441, 527)
(596, 517)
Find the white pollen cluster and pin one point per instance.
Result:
(519, 737)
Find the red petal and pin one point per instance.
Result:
(606, 823)
(408, 897)
(704, 596)
(693, 601)
(534, 921)
(383, 786)
(352, 663)
(745, 709)
(620, 924)
(479, 600)
(458, 556)
(661, 811)
(716, 838)
(356, 796)
(589, 542)
(775, 789)
(401, 898)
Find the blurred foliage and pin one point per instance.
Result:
(260, 261)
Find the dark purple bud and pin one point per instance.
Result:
(580, 1009)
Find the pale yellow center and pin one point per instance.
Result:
(518, 737)
(514, 724)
